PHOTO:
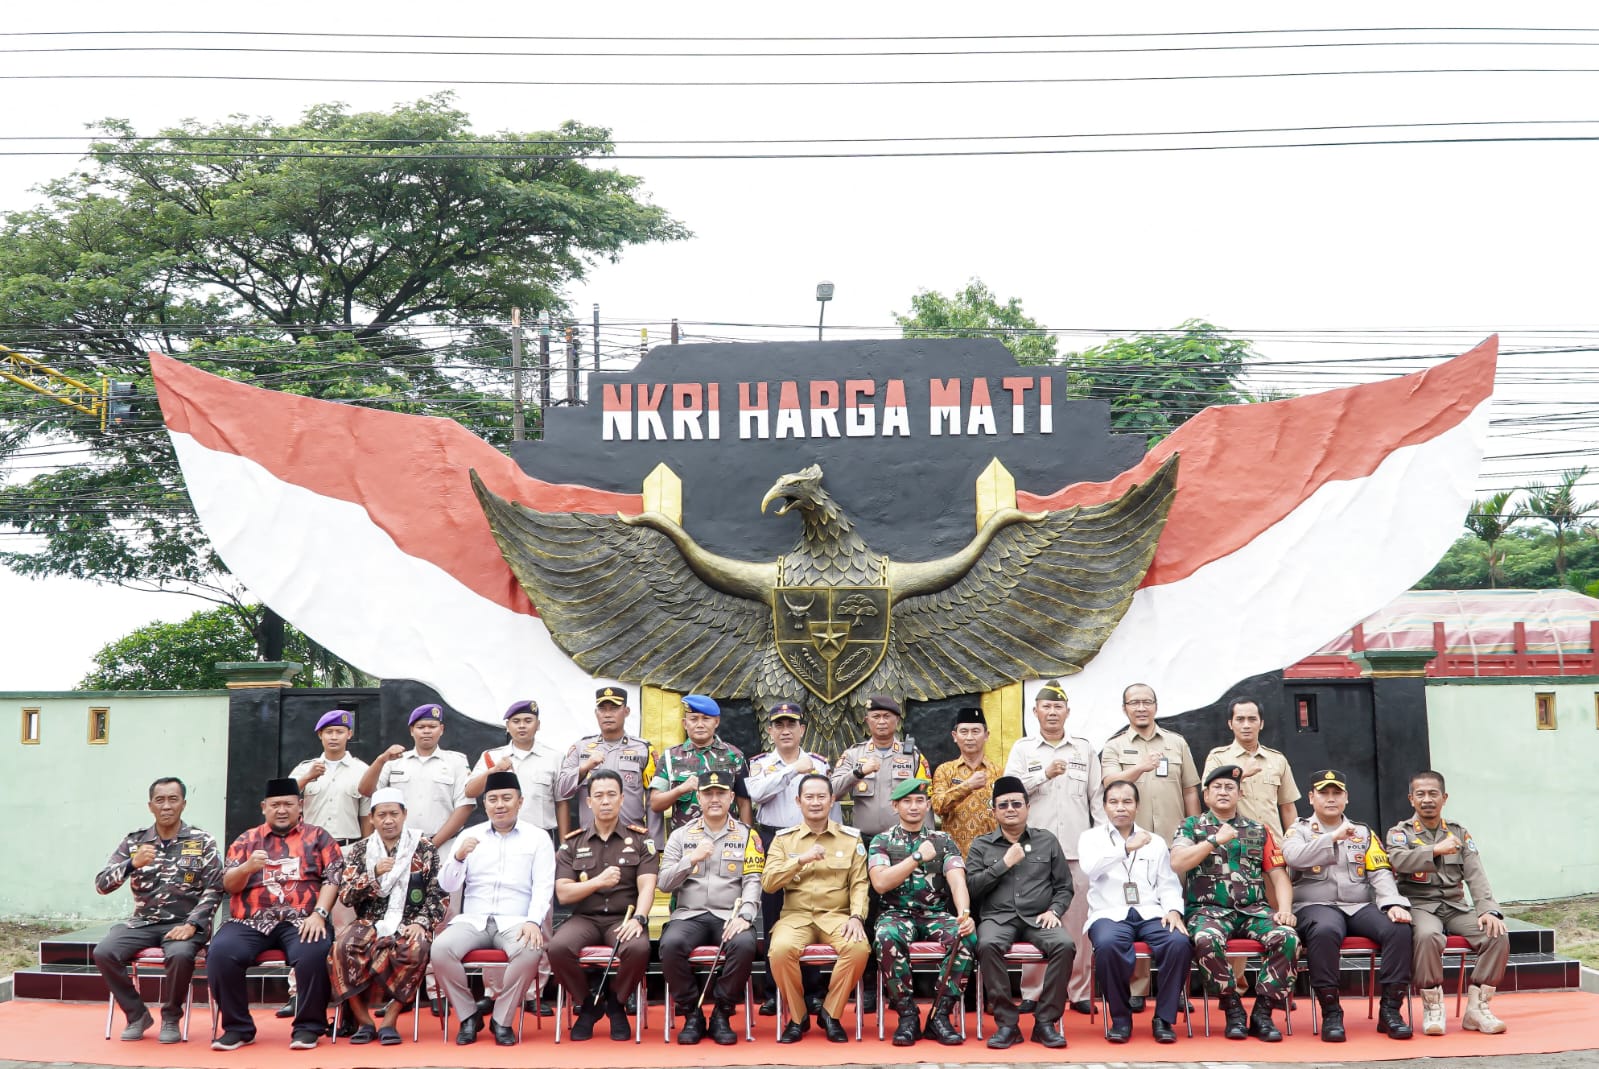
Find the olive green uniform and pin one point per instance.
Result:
(1436, 887)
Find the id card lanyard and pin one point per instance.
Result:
(1129, 886)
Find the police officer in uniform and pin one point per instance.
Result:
(613, 749)
(922, 877)
(820, 865)
(684, 766)
(1437, 861)
(868, 772)
(1343, 885)
(1022, 885)
(712, 865)
(601, 870)
(1228, 859)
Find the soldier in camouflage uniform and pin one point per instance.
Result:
(677, 777)
(176, 877)
(922, 877)
(1228, 859)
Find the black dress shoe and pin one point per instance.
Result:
(1048, 1034)
(835, 1031)
(813, 1003)
(1120, 1031)
(289, 1008)
(469, 1030)
(621, 1026)
(436, 1005)
(1084, 1007)
(504, 1034)
(1136, 1003)
(1004, 1037)
(538, 1007)
(485, 1006)
(793, 1031)
(1162, 1031)
(693, 1029)
(1027, 1005)
(721, 1029)
(583, 1027)
(769, 1007)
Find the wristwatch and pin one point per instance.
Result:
(320, 912)
(859, 774)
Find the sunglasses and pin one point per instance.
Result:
(1010, 804)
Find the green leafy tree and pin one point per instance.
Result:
(317, 256)
(184, 655)
(1490, 519)
(974, 312)
(1156, 382)
(1557, 505)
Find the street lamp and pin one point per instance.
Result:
(824, 293)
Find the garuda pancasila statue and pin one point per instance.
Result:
(635, 598)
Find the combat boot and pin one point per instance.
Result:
(909, 1029)
(1432, 1011)
(1260, 1022)
(721, 1028)
(939, 1026)
(693, 1029)
(1332, 1015)
(1389, 1019)
(1478, 1016)
(1237, 1020)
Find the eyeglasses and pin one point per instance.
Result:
(1012, 804)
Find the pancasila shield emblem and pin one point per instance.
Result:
(831, 638)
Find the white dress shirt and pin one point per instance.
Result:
(1067, 804)
(536, 770)
(772, 783)
(1102, 852)
(509, 877)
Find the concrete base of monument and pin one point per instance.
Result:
(43, 1031)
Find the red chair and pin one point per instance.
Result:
(706, 956)
(1141, 952)
(1355, 946)
(598, 957)
(1019, 954)
(153, 959)
(927, 952)
(267, 959)
(822, 954)
(1458, 946)
(1248, 948)
(473, 962)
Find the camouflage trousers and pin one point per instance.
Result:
(898, 929)
(1211, 926)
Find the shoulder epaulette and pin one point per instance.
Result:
(635, 827)
(573, 833)
(850, 831)
(792, 827)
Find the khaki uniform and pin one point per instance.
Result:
(873, 812)
(333, 801)
(1436, 887)
(1160, 797)
(705, 896)
(818, 900)
(1260, 795)
(1344, 888)
(628, 757)
(595, 919)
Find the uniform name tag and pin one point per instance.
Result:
(1164, 768)
(1130, 893)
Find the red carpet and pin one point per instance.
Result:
(1540, 1023)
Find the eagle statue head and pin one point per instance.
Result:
(802, 489)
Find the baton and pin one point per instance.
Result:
(721, 952)
(616, 952)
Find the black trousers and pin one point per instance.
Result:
(1321, 932)
(121, 943)
(1114, 958)
(234, 949)
(681, 936)
(994, 940)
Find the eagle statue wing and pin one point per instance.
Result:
(1039, 600)
(624, 602)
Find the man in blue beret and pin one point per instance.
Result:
(678, 775)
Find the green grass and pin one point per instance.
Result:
(1575, 921)
(19, 943)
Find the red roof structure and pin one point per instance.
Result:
(1476, 633)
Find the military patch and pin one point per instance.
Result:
(1397, 837)
(649, 847)
(860, 849)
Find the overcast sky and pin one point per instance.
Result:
(1462, 239)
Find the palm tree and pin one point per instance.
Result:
(1558, 507)
(1489, 521)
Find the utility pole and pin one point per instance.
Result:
(544, 373)
(596, 338)
(571, 363)
(518, 427)
(674, 331)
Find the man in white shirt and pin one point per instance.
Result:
(1061, 775)
(505, 871)
(1134, 895)
(331, 784)
(431, 779)
(536, 766)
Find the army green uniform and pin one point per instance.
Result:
(685, 760)
(1225, 898)
(919, 909)
(1436, 888)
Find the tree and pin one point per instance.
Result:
(1490, 521)
(1557, 506)
(975, 312)
(1157, 382)
(184, 656)
(317, 257)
